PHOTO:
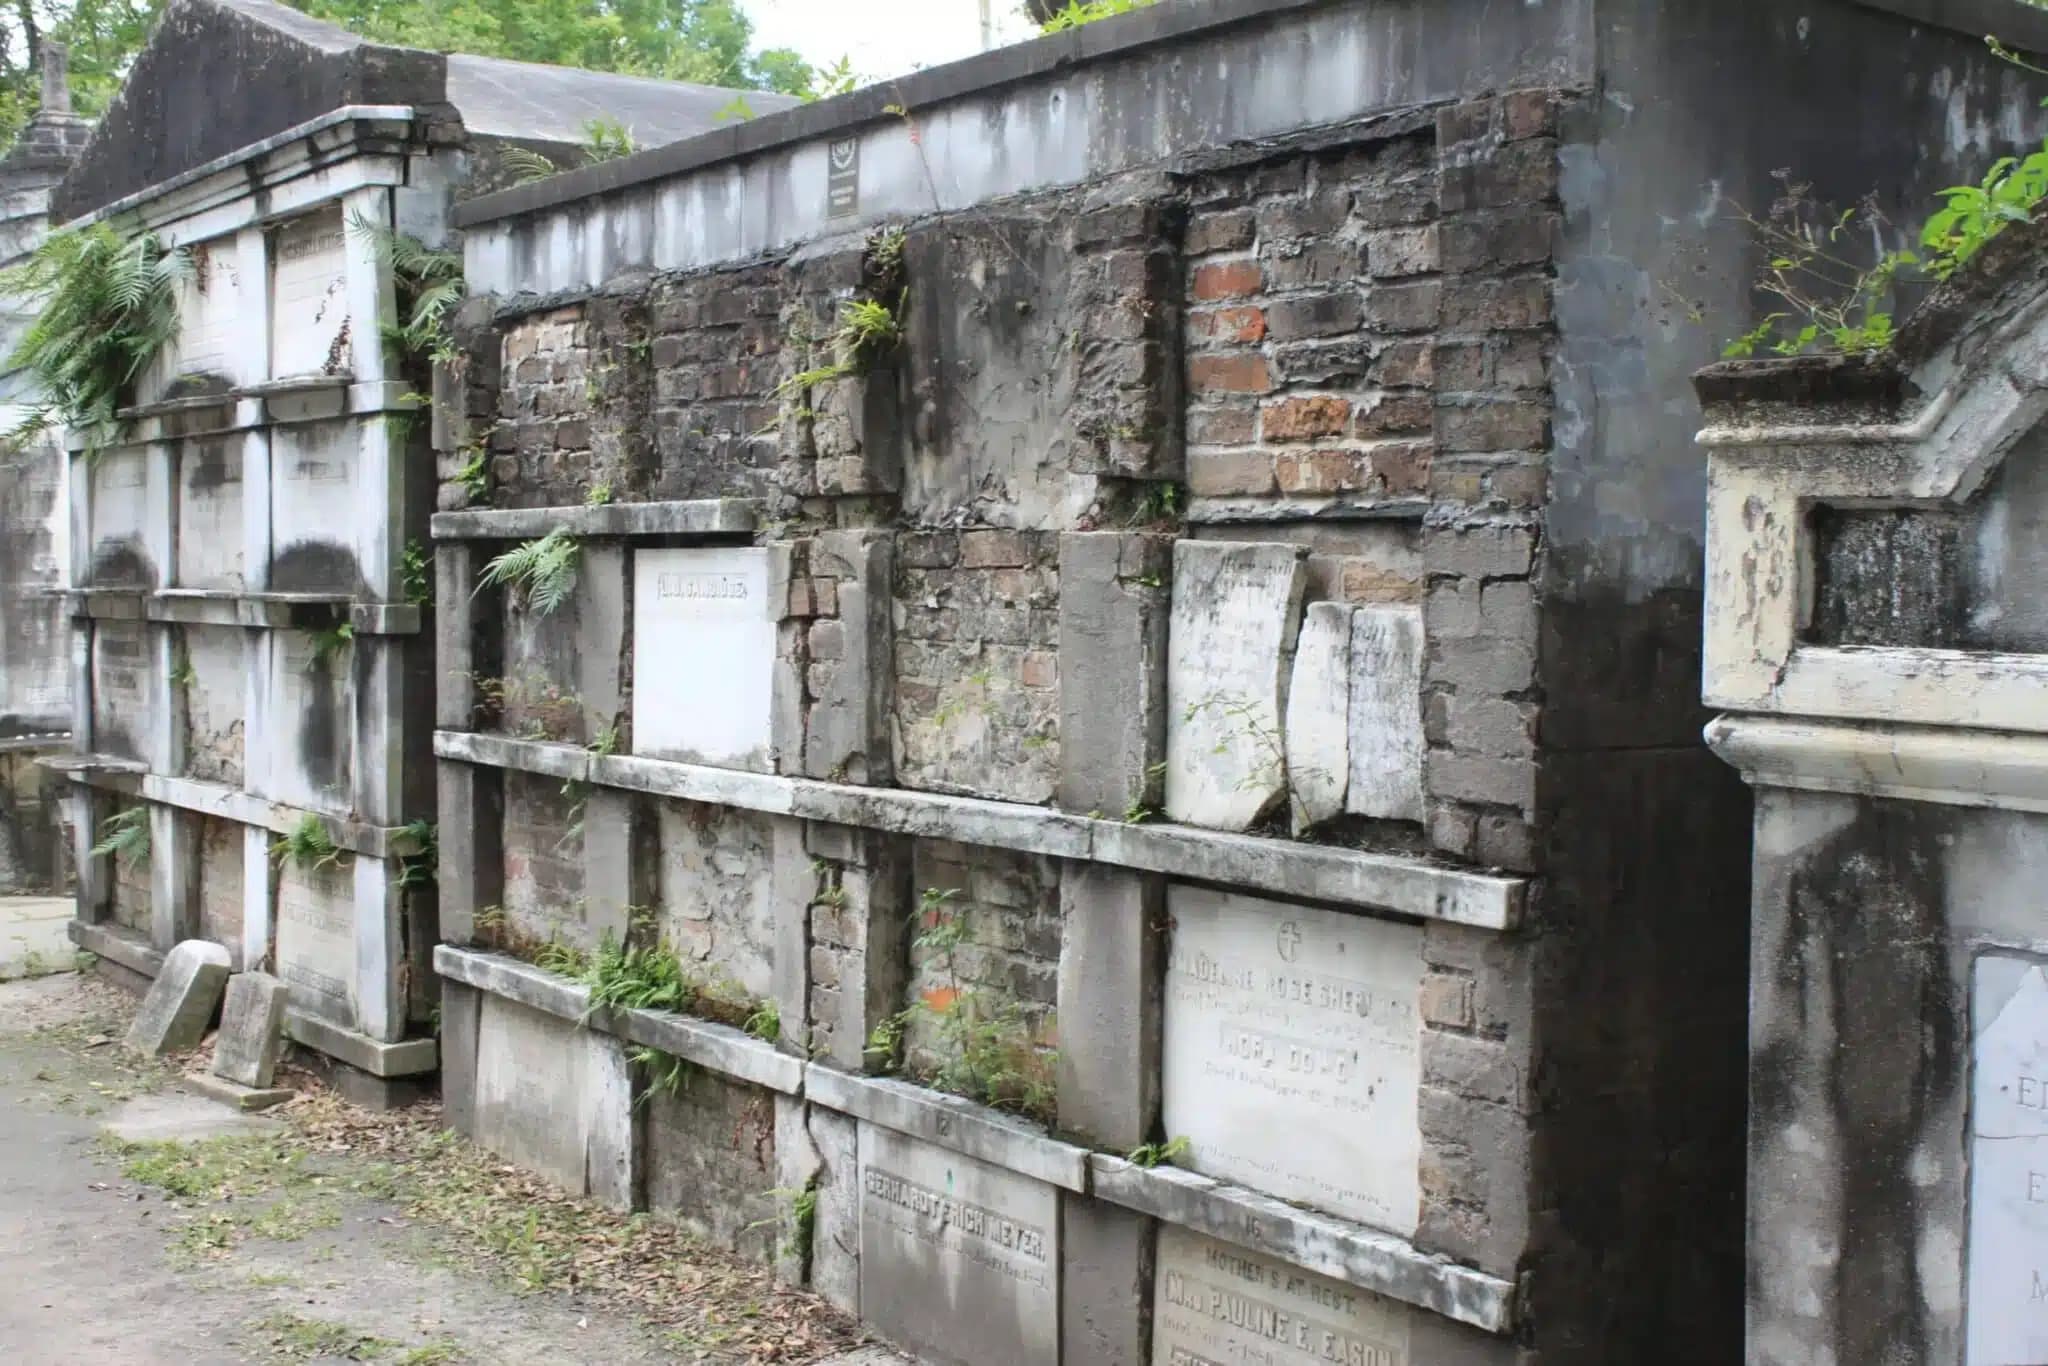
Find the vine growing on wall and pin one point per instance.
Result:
(107, 305)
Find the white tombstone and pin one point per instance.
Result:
(316, 940)
(1319, 716)
(309, 298)
(2008, 1238)
(1215, 1302)
(958, 1258)
(1236, 608)
(703, 656)
(1292, 1052)
(1387, 744)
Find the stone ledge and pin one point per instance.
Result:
(1228, 511)
(219, 607)
(406, 1058)
(1927, 764)
(951, 1122)
(255, 408)
(715, 1047)
(119, 945)
(689, 517)
(1360, 1256)
(1348, 877)
(130, 779)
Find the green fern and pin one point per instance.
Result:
(430, 285)
(607, 139)
(525, 165)
(330, 641)
(108, 306)
(544, 569)
(308, 845)
(420, 869)
(124, 837)
(416, 573)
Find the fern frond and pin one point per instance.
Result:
(545, 569)
(526, 165)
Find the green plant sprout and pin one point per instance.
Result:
(329, 641)
(430, 285)
(1155, 1154)
(544, 570)
(416, 573)
(307, 844)
(124, 837)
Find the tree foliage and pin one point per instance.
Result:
(708, 41)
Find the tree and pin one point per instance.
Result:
(706, 41)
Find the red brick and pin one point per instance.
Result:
(1222, 474)
(1528, 114)
(1301, 419)
(1040, 669)
(1403, 467)
(1230, 374)
(1243, 324)
(1227, 280)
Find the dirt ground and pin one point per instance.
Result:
(142, 1224)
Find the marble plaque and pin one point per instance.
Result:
(1386, 713)
(1319, 716)
(2008, 1257)
(210, 531)
(1214, 1304)
(122, 717)
(309, 296)
(703, 655)
(1235, 612)
(209, 306)
(958, 1259)
(307, 705)
(1292, 1060)
(316, 942)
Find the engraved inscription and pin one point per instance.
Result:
(1215, 1305)
(2008, 1231)
(1292, 1047)
(316, 938)
(690, 607)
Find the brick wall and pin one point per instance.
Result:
(1008, 905)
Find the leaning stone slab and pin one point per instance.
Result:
(236, 1095)
(1236, 608)
(251, 1037)
(1386, 713)
(180, 1003)
(1319, 716)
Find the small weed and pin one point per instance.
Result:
(307, 844)
(475, 475)
(667, 1075)
(1078, 13)
(598, 495)
(765, 1022)
(124, 836)
(420, 869)
(184, 675)
(799, 1214)
(329, 641)
(292, 1338)
(416, 573)
(1154, 1154)
(543, 569)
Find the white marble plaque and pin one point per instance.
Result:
(1235, 612)
(1292, 1052)
(1214, 1304)
(1386, 713)
(959, 1259)
(309, 296)
(209, 308)
(2008, 1256)
(703, 655)
(123, 719)
(1319, 716)
(210, 514)
(316, 942)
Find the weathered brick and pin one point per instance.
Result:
(1312, 215)
(1229, 374)
(1223, 426)
(1411, 307)
(1521, 236)
(1240, 325)
(1342, 361)
(1313, 263)
(1477, 1069)
(1223, 474)
(1226, 280)
(1496, 425)
(1487, 304)
(1520, 484)
(1394, 414)
(1445, 1001)
(1402, 466)
(994, 549)
(928, 549)
(827, 640)
(1211, 232)
(1516, 173)
(1483, 664)
(1323, 471)
(1481, 778)
(1470, 121)
(1481, 552)
(1508, 607)
(1315, 315)
(1361, 580)
(1507, 842)
(1404, 364)
(1394, 252)
(1039, 669)
(572, 436)
(1528, 114)
(1453, 829)
(1302, 419)
(1487, 725)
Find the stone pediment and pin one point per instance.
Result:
(1872, 521)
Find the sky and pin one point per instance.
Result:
(883, 37)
